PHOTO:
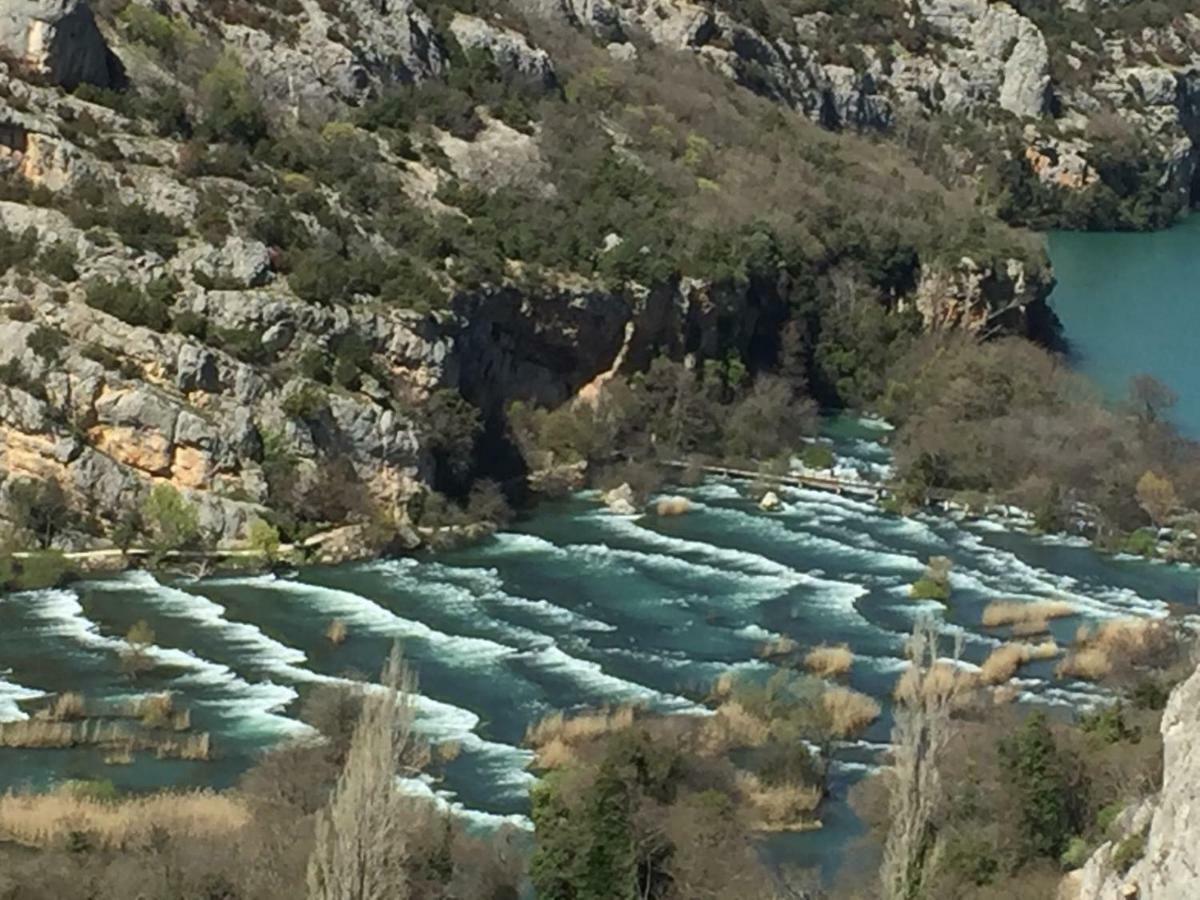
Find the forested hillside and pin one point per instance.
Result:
(256, 249)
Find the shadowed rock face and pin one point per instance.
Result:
(59, 40)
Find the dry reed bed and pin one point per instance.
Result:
(778, 807)
(44, 820)
(43, 734)
(849, 711)
(555, 737)
(827, 662)
(778, 646)
(1098, 652)
(1026, 618)
(139, 726)
(1003, 662)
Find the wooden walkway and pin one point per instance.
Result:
(859, 487)
(856, 486)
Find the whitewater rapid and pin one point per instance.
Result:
(573, 608)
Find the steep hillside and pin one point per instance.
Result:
(1080, 113)
(299, 256)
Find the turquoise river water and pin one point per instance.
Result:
(576, 607)
(1130, 303)
(572, 607)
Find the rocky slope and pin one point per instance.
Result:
(216, 271)
(1087, 97)
(1157, 856)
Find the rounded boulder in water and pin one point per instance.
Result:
(673, 506)
(770, 502)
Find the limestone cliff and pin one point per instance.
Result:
(1065, 83)
(1159, 839)
(158, 329)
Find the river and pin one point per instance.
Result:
(572, 607)
(1130, 304)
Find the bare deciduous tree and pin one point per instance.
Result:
(362, 846)
(927, 695)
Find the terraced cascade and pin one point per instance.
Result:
(573, 607)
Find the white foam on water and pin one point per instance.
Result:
(466, 604)
(873, 558)
(591, 676)
(881, 665)
(422, 786)
(515, 542)
(846, 767)
(1064, 540)
(436, 720)
(1010, 575)
(716, 490)
(491, 587)
(255, 703)
(869, 420)
(725, 557)
(847, 503)
(737, 584)
(269, 654)
(361, 612)
(61, 615)
(756, 632)
(10, 695)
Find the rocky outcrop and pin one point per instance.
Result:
(1165, 829)
(509, 49)
(983, 299)
(58, 40)
(964, 59)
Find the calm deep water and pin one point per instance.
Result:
(576, 607)
(1130, 304)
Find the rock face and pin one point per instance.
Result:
(980, 299)
(509, 49)
(1169, 867)
(963, 59)
(57, 39)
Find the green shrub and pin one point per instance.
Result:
(817, 456)
(1149, 693)
(1128, 852)
(1041, 776)
(13, 375)
(17, 251)
(166, 35)
(46, 342)
(101, 789)
(130, 303)
(1142, 542)
(229, 110)
(144, 229)
(1108, 725)
(1077, 853)
(38, 571)
(305, 403)
(190, 323)
(243, 343)
(1108, 814)
(102, 355)
(263, 537)
(60, 260)
(173, 522)
(927, 588)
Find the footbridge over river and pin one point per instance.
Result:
(837, 484)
